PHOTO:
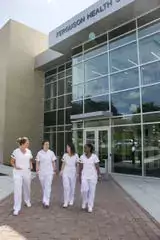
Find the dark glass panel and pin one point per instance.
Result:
(77, 107)
(150, 98)
(50, 118)
(97, 104)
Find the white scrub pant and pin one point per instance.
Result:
(22, 180)
(88, 189)
(69, 184)
(46, 183)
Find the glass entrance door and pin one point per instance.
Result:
(99, 137)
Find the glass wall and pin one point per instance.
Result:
(57, 106)
(120, 72)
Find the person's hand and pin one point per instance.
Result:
(61, 173)
(37, 170)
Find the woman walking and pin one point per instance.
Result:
(21, 160)
(89, 172)
(68, 173)
(46, 167)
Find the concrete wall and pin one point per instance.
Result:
(24, 89)
(4, 51)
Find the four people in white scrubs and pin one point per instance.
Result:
(89, 172)
(21, 160)
(46, 167)
(69, 174)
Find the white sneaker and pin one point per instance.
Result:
(15, 213)
(90, 210)
(65, 205)
(84, 206)
(71, 203)
(28, 204)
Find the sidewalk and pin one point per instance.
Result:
(116, 217)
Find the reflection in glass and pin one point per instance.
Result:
(77, 107)
(103, 148)
(68, 138)
(131, 119)
(68, 112)
(77, 138)
(150, 48)
(68, 84)
(123, 57)
(78, 74)
(150, 73)
(60, 117)
(126, 102)
(154, 27)
(61, 102)
(53, 141)
(96, 104)
(150, 98)
(68, 100)
(47, 91)
(97, 87)
(96, 67)
(54, 89)
(47, 105)
(125, 80)
(122, 40)
(50, 118)
(90, 137)
(60, 144)
(61, 87)
(95, 51)
(151, 117)
(54, 103)
(77, 92)
(152, 150)
(126, 150)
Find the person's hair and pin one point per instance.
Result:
(44, 141)
(90, 146)
(72, 147)
(22, 140)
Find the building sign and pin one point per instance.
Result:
(89, 15)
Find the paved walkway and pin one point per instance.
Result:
(116, 217)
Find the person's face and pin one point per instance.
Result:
(26, 144)
(68, 149)
(86, 149)
(46, 146)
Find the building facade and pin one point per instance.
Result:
(21, 87)
(104, 85)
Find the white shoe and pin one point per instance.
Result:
(28, 204)
(90, 210)
(71, 203)
(65, 205)
(15, 213)
(84, 206)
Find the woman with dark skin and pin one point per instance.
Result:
(88, 173)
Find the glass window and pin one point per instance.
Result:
(126, 102)
(122, 40)
(69, 72)
(150, 48)
(50, 118)
(150, 98)
(53, 142)
(47, 91)
(61, 102)
(47, 136)
(96, 67)
(68, 138)
(77, 107)
(78, 92)
(96, 87)
(131, 119)
(77, 138)
(122, 29)
(149, 17)
(68, 100)
(68, 116)
(78, 73)
(97, 41)
(60, 145)
(77, 59)
(51, 72)
(125, 80)
(150, 73)
(60, 117)
(151, 117)
(61, 75)
(47, 105)
(61, 87)
(152, 150)
(97, 104)
(68, 84)
(77, 50)
(54, 103)
(123, 57)
(154, 27)
(54, 89)
(126, 149)
(95, 51)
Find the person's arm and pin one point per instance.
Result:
(54, 158)
(31, 164)
(62, 167)
(13, 161)
(97, 167)
(37, 163)
(80, 172)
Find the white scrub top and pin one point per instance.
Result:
(89, 170)
(46, 158)
(70, 163)
(22, 160)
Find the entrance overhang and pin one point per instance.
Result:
(91, 115)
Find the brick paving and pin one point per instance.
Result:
(116, 217)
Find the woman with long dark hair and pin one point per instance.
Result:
(68, 173)
(46, 167)
(88, 173)
(21, 160)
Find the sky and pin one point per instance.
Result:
(42, 15)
